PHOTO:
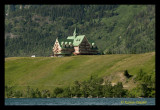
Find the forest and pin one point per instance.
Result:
(116, 29)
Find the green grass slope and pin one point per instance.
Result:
(48, 73)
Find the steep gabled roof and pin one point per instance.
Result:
(74, 40)
(77, 41)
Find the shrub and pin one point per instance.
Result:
(58, 90)
(45, 93)
(152, 93)
(127, 74)
(67, 92)
(17, 94)
(147, 79)
(9, 91)
(140, 75)
(38, 93)
(118, 90)
(32, 94)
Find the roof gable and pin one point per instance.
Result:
(73, 40)
(77, 41)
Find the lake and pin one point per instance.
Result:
(79, 101)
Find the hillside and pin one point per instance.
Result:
(48, 73)
(32, 29)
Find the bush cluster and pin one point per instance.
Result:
(94, 87)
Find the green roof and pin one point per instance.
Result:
(74, 40)
(69, 41)
(71, 37)
(78, 40)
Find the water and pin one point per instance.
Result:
(79, 101)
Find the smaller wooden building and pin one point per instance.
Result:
(76, 44)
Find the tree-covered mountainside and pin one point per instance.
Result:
(116, 29)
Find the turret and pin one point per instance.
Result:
(74, 34)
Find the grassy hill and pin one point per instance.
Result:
(49, 72)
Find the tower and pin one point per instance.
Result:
(74, 34)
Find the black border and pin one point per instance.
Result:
(74, 2)
(80, 1)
